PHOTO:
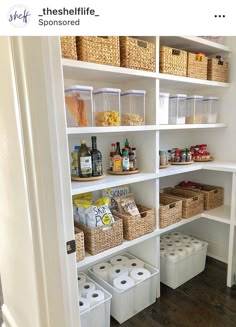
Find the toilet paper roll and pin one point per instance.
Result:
(81, 279)
(95, 296)
(169, 246)
(172, 255)
(188, 248)
(118, 260)
(163, 251)
(185, 239)
(117, 271)
(83, 305)
(123, 283)
(181, 252)
(102, 270)
(176, 235)
(197, 245)
(134, 263)
(139, 274)
(167, 238)
(85, 287)
(177, 242)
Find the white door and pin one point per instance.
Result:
(38, 275)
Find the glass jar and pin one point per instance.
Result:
(177, 109)
(133, 108)
(163, 158)
(79, 105)
(106, 107)
(194, 113)
(183, 156)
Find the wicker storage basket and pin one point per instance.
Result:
(173, 61)
(193, 203)
(79, 242)
(217, 70)
(99, 49)
(134, 227)
(137, 54)
(68, 47)
(213, 195)
(197, 66)
(170, 210)
(102, 238)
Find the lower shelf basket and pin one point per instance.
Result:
(170, 210)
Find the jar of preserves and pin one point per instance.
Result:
(183, 156)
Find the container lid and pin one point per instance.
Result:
(210, 98)
(106, 90)
(196, 97)
(183, 96)
(78, 88)
(164, 94)
(139, 92)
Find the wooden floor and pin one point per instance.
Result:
(204, 301)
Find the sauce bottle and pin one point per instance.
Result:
(75, 162)
(112, 152)
(117, 159)
(125, 161)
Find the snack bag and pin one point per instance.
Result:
(114, 192)
(127, 205)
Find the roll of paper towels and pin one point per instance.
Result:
(85, 287)
(117, 271)
(118, 260)
(81, 279)
(95, 296)
(172, 255)
(123, 283)
(185, 239)
(176, 235)
(139, 274)
(134, 263)
(181, 252)
(197, 245)
(169, 246)
(188, 248)
(102, 270)
(177, 242)
(83, 305)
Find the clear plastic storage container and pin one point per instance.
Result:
(177, 109)
(163, 108)
(97, 314)
(106, 107)
(194, 112)
(133, 107)
(210, 109)
(79, 105)
(127, 303)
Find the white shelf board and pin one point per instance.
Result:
(190, 126)
(194, 44)
(81, 70)
(114, 129)
(92, 259)
(167, 80)
(217, 165)
(110, 181)
(180, 223)
(220, 214)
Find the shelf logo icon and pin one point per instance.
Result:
(19, 16)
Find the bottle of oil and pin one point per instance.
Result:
(85, 160)
(96, 159)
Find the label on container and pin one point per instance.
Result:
(125, 164)
(85, 166)
(97, 167)
(117, 164)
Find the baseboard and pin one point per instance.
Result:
(7, 318)
(217, 257)
(217, 251)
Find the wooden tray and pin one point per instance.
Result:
(182, 163)
(87, 179)
(204, 160)
(130, 172)
(164, 166)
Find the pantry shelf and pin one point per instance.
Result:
(114, 129)
(92, 259)
(75, 69)
(167, 80)
(190, 126)
(220, 214)
(194, 44)
(110, 181)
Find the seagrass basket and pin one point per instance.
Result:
(197, 66)
(173, 61)
(79, 242)
(170, 210)
(68, 47)
(217, 70)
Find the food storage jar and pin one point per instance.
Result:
(133, 107)
(106, 107)
(210, 109)
(177, 110)
(163, 108)
(79, 105)
(194, 112)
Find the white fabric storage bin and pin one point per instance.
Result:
(177, 110)
(163, 115)
(174, 274)
(127, 303)
(97, 315)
